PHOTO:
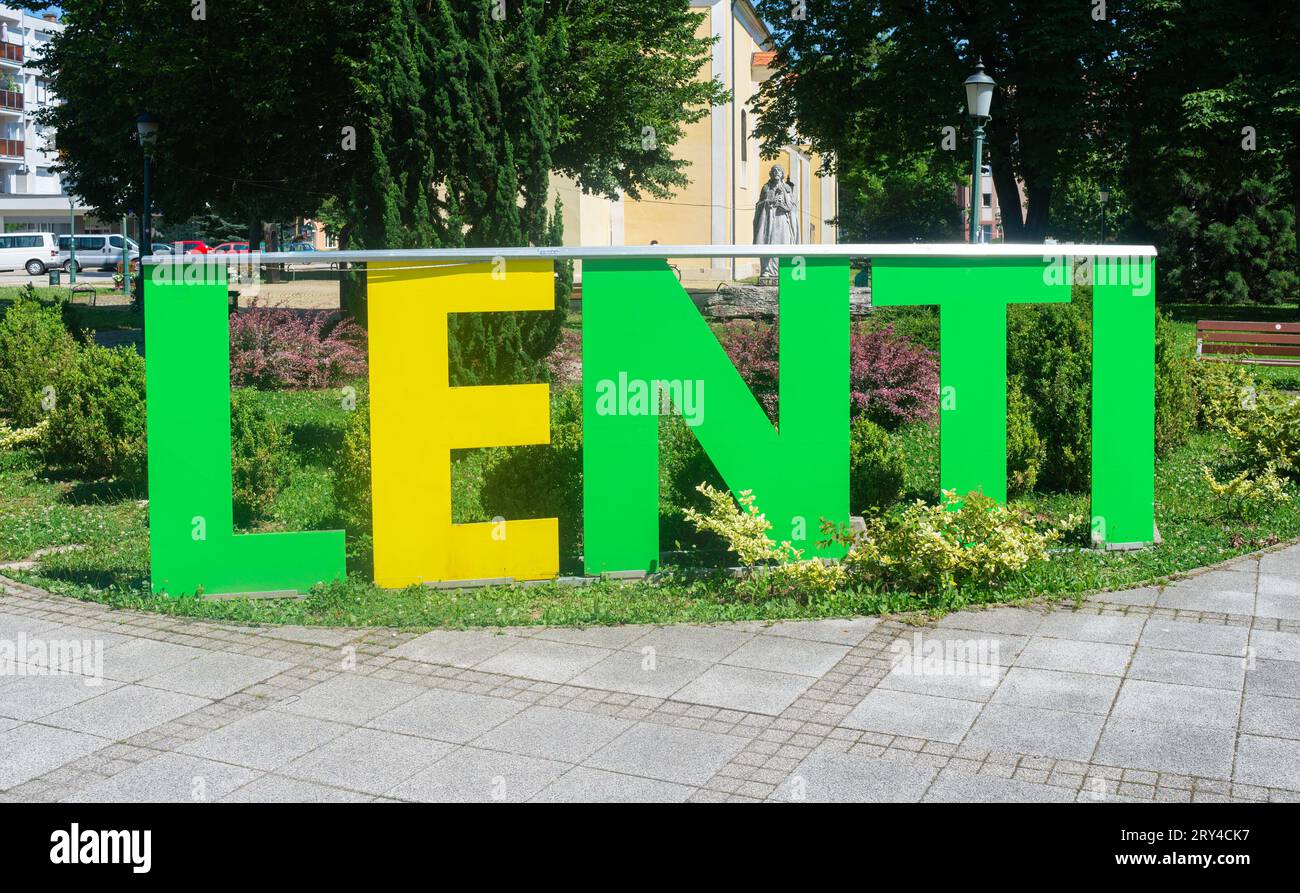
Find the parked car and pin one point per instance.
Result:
(190, 246)
(33, 252)
(162, 248)
(102, 251)
(231, 248)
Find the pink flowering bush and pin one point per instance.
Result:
(891, 380)
(278, 348)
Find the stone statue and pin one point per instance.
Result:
(774, 220)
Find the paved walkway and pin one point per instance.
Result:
(1190, 692)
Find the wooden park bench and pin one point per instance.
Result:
(1263, 343)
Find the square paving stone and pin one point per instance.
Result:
(553, 734)
(313, 635)
(1278, 604)
(72, 644)
(953, 786)
(30, 697)
(827, 776)
(707, 643)
(834, 631)
(1098, 658)
(744, 688)
(1204, 638)
(351, 698)
(785, 655)
(1269, 762)
(1117, 629)
(265, 740)
(1016, 621)
(913, 715)
(658, 675)
(1166, 747)
(1274, 717)
(1057, 690)
(1144, 597)
(1166, 703)
(1033, 730)
(471, 775)
(1285, 563)
(594, 636)
(139, 658)
(668, 753)
(270, 788)
(948, 679)
(168, 778)
(11, 625)
(451, 716)
(125, 711)
(1274, 645)
(1188, 668)
(29, 751)
(583, 785)
(367, 760)
(454, 648)
(1195, 598)
(1238, 579)
(1274, 677)
(546, 661)
(216, 675)
(1279, 584)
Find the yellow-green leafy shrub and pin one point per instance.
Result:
(1249, 493)
(777, 568)
(927, 548)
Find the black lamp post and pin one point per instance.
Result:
(146, 125)
(979, 99)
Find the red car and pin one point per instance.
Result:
(231, 248)
(190, 246)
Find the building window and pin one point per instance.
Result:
(744, 136)
(988, 199)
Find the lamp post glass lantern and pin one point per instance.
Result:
(146, 126)
(979, 100)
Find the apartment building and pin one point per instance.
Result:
(31, 196)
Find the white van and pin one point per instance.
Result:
(33, 252)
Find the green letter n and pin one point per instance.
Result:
(643, 337)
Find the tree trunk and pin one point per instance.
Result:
(1013, 221)
(1295, 201)
(1037, 215)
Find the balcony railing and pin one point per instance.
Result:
(11, 52)
(12, 148)
(11, 99)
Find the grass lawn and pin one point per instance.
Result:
(40, 510)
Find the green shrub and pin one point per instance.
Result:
(97, 425)
(351, 482)
(683, 466)
(1176, 403)
(1025, 449)
(1049, 353)
(919, 443)
(543, 481)
(35, 349)
(877, 468)
(261, 453)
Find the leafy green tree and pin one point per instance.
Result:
(437, 125)
(906, 202)
(871, 81)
